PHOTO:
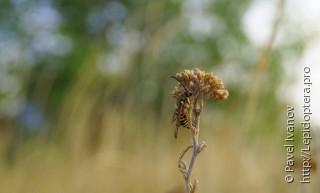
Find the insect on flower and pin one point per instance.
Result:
(182, 113)
(195, 87)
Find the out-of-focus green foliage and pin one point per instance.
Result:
(92, 78)
(119, 55)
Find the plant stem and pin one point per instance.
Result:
(195, 142)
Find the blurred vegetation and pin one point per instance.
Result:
(85, 103)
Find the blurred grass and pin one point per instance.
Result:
(109, 138)
(227, 166)
(109, 130)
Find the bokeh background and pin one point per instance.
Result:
(85, 101)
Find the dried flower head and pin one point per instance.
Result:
(194, 86)
(202, 84)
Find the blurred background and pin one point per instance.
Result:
(85, 101)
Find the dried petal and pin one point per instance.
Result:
(211, 87)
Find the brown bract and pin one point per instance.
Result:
(201, 84)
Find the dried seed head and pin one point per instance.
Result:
(200, 84)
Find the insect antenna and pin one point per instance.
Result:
(180, 82)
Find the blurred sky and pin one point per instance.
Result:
(303, 18)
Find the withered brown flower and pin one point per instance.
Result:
(194, 86)
(201, 84)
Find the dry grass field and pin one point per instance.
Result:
(85, 104)
(149, 163)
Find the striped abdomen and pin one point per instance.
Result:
(184, 121)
